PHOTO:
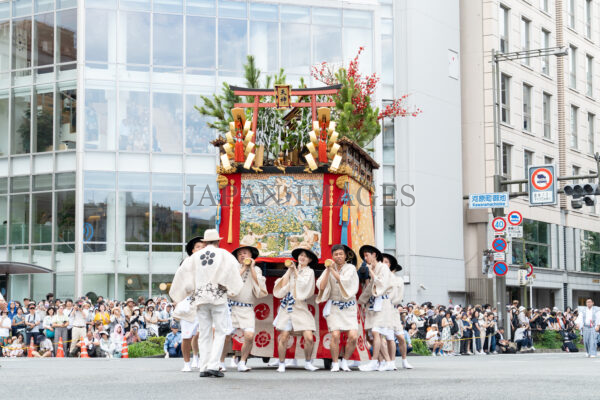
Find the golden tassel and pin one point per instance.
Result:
(230, 233)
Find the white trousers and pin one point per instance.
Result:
(210, 346)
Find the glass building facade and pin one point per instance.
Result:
(100, 142)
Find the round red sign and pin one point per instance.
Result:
(542, 179)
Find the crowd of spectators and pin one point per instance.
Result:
(102, 326)
(474, 330)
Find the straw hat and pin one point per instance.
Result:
(314, 260)
(252, 249)
(211, 235)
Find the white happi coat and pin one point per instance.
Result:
(396, 299)
(242, 316)
(379, 310)
(206, 277)
(183, 312)
(338, 294)
(301, 289)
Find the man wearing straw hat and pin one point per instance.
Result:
(396, 298)
(379, 315)
(206, 277)
(242, 305)
(187, 318)
(338, 286)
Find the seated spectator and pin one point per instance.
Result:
(44, 348)
(567, 338)
(433, 340)
(107, 348)
(17, 347)
(90, 342)
(172, 345)
(413, 331)
(522, 339)
(502, 345)
(117, 338)
(133, 336)
(7, 347)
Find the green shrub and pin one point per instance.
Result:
(147, 348)
(158, 340)
(420, 347)
(547, 339)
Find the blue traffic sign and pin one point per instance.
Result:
(500, 268)
(499, 244)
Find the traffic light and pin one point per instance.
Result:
(582, 194)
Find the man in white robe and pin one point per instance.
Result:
(242, 305)
(338, 286)
(206, 277)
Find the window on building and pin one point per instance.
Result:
(536, 237)
(525, 38)
(503, 17)
(573, 67)
(546, 58)
(505, 98)
(575, 171)
(590, 251)
(589, 75)
(546, 111)
(544, 5)
(574, 111)
(588, 19)
(527, 161)
(527, 108)
(571, 13)
(591, 118)
(506, 160)
(548, 160)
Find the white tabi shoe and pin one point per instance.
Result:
(592, 356)
(370, 366)
(281, 367)
(393, 365)
(233, 363)
(308, 365)
(406, 365)
(241, 367)
(195, 363)
(222, 367)
(344, 365)
(335, 367)
(274, 363)
(186, 367)
(291, 362)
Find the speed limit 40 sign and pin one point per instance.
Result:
(542, 185)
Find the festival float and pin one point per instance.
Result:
(288, 179)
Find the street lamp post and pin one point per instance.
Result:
(499, 290)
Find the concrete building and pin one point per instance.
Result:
(549, 110)
(99, 138)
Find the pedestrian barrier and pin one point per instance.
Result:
(84, 353)
(30, 349)
(60, 352)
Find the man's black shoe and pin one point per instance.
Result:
(216, 373)
(205, 374)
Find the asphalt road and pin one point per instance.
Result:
(523, 376)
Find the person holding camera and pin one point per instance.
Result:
(32, 322)
(78, 321)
